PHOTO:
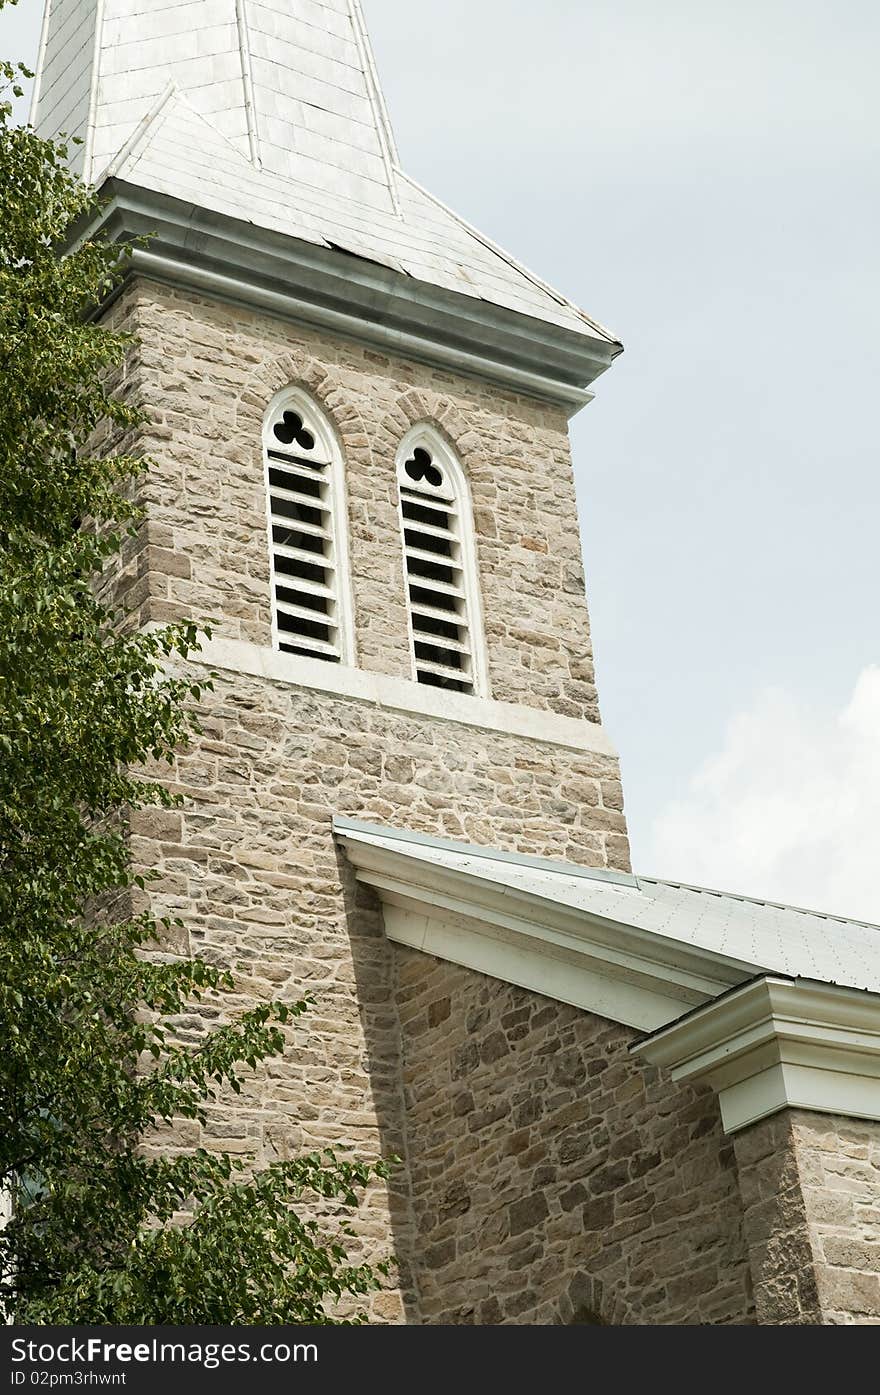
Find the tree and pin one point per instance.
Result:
(100, 1232)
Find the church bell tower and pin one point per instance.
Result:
(357, 409)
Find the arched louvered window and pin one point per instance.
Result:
(308, 536)
(446, 628)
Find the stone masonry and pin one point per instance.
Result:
(553, 1179)
(206, 373)
(249, 863)
(811, 1196)
(547, 1176)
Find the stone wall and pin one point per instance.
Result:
(250, 865)
(839, 1164)
(592, 1187)
(555, 1179)
(811, 1200)
(548, 1176)
(206, 373)
(774, 1223)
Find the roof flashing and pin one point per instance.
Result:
(424, 840)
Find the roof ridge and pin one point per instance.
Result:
(511, 260)
(143, 133)
(246, 58)
(757, 901)
(381, 116)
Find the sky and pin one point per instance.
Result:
(702, 176)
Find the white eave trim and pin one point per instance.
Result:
(608, 967)
(222, 257)
(779, 1043)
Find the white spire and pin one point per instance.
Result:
(290, 83)
(269, 112)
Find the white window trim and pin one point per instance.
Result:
(297, 400)
(428, 438)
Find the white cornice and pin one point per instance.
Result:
(213, 254)
(778, 1043)
(529, 938)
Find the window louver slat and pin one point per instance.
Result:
(417, 528)
(442, 676)
(293, 495)
(300, 554)
(304, 587)
(439, 588)
(304, 612)
(421, 554)
(445, 644)
(301, 525)
(433, 612)
(297, 462)
(418, 502)
(311, 647)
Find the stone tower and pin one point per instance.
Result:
(404, 799)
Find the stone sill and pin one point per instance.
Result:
(404, 695)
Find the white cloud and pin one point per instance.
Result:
(789, 809)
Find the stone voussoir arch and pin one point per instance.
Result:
(319, 381)
(415, 408)
(587, 1303)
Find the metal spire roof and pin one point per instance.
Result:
(269, 112)
(290, 83)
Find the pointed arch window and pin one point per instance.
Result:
(308, 535)
(443, 594)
